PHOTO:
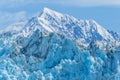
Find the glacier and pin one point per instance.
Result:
(56, 46)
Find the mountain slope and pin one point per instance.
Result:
(115, 35)
(47, 48)
(52, 21)
(86, 30)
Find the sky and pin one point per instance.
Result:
(105, 12)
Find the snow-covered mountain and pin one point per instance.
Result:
(69, 26)
(86, 30)
(48, 47)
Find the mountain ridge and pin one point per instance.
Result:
(48, 48)
(69, 26)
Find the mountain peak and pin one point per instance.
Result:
(50, 12)
(47, 10)
(69, 26)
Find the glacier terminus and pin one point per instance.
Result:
(56, 46)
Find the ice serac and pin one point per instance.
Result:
(47, 48)
(50, 56)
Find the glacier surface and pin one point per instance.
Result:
(55, 46)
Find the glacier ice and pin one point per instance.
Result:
(55, 46)
(50, 56)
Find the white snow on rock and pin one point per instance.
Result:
(52, 46)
